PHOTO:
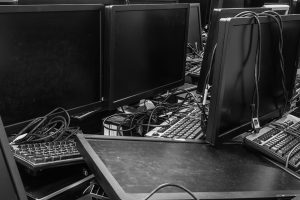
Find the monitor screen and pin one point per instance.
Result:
(212, 41)
(145, 50)
(194, 36)
(11, 187)
(130, 168)
(47, 62)
(233, 79)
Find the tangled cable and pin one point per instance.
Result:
(53, 126)
(149, 118)
(255, 100)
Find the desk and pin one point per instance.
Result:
(229, 171)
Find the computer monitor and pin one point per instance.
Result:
(260, 3)
(104, 2)
(234, 83)
(145, 51)
(152, 1)
(215, 4)
(229, 3)
(212, 41)
(233, 4)
(204, 7)
(41, 2)
(195, 29)
(279, 8)
(295, 7)
(132, 167)
(11, 186)
(50, 57)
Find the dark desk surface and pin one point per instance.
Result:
(139, 167)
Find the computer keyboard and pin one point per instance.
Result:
(193, 66)
(185, 125)
(279, 140)
(38, 156)
(193, 70)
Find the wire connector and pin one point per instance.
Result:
(255, 124)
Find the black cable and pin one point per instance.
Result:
(170, 185)
(149, 121)
(210, 67)
(277, 18)
(244, 13)
(39, 119)
(149, 114)
(255, 101)
(205, 90)
(194, 50)
(51, 127)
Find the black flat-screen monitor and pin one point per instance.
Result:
(40, 2)
(295, 7)
(281, 9)
(104, 2)
(152, 1)
(131, 167)
(233, 80)
(259, 3)
(11, 186)
(212, 41)
(233, 4)
(224, 4)
(50, 57)
(195, 29)
(204, 6)
(214, 4)
(145, 50)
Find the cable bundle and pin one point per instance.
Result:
(255, 97)
(53, 126)
(277, 18)
(149, 118)
(195, 50)
(255, 100)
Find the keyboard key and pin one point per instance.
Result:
(42, 155)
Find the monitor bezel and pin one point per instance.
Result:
(114, 190)
(11, 164)
(64, 8)
(109, 51)
(212, 134)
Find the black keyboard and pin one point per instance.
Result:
(40, 156)
(193, 66)
(193, 70)
(279, 140)
(185, 125)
